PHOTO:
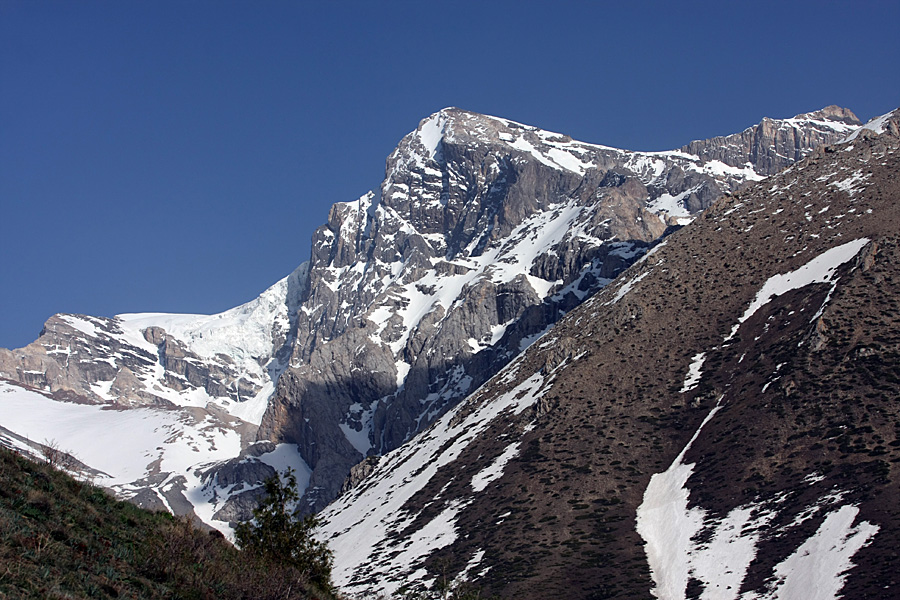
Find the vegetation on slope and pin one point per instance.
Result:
(278, 536)
(65, 538)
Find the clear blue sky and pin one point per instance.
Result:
(177, 156)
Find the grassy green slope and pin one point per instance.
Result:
(64, 538)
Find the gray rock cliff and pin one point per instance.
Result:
(482, 235)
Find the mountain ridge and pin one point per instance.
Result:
(449, 201)
(473, 247)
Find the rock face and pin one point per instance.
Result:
(359, 472)
(229, 359)
(483, 234)
(774, 144)
(721, 421)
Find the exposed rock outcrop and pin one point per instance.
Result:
(774, 144)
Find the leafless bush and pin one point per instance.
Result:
(58, 458)
(51, 452)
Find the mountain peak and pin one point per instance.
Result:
(483, 234)
(588, 461)
(461, 124)
(832, 112)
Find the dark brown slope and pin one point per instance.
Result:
(809, 399)
(617, 414)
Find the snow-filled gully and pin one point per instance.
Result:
(667, 524)
(814, 571)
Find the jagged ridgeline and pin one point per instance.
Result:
(484, 233)
(721, 421)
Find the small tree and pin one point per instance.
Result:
(277, 534)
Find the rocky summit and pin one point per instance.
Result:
(487, 289)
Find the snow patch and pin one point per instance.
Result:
(287, 456)
(667, 525)
(82, 324)
(818, 568)
(694, 372)
(626, 287)
(671, 530)
(494, 471)
(876, 125)
(359, 439)
(722, 564)
(851, 184)
(431, 133)
(819, 270)
(673, 206)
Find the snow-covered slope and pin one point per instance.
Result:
(159, 398)
(230, 360)
(157, 456)
(876, 125)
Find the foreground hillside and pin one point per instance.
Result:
(719, 423)
(64, 538)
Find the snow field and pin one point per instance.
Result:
(245, 335)
(815, 571)
(875, 125)
(667, 525)
(128, 446)
(97, 435)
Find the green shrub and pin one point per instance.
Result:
(277, 535)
